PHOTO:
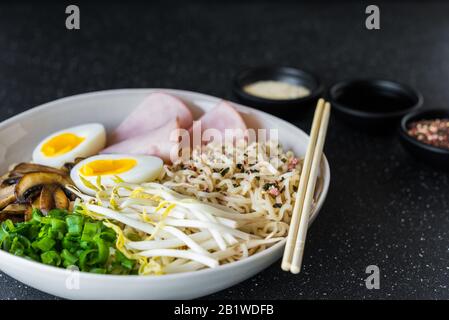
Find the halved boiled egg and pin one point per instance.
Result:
(130, 168)
(68, 144)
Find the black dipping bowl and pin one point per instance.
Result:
(287, 107)
(369, 104)
(430, 154)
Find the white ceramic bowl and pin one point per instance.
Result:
(20, 134)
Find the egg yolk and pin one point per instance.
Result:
(107, 166)
(61, 144)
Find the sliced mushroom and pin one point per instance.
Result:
(79, 159)
(69, 165)
(60, 199)
(46, 201)
(18, 171)
(71, 206)
(28, 213)
(5, 176)
(70, 195)
(29, 194)
(24, 168)
(36, 204)
(10, 180)
(32, 182)
(17, 212)
(12, 215)
(7, 196)
(17, 207)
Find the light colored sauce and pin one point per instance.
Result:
(276, 90)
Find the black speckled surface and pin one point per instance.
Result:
(383, 207)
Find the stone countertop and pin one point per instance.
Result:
(383, 208)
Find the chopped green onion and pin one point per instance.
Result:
(71, 242)
(44, 244)
(87, 258)
(58, 225)
(57, 213)
(65, 239)
(124, 261)
(8, 226)
(17, 248)
(98, 270)
(90, 230)
(69, 259)
(74, 224)
(36, 215)
(51, 258)
(103, 251)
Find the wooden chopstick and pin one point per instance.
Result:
(308, 199)
(300, 195)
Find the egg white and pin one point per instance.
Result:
(146, 169)
(94, 136)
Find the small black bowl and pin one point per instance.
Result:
(369, 103)
(430, 154)
(287, 107)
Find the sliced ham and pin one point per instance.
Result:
(155, 111)
(222, 119)
(160, 142)
(166, 139)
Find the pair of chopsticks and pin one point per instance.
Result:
(294, 248)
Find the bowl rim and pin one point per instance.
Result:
(373, 82)
(242, 94)
(424, 146)
(166, 277)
